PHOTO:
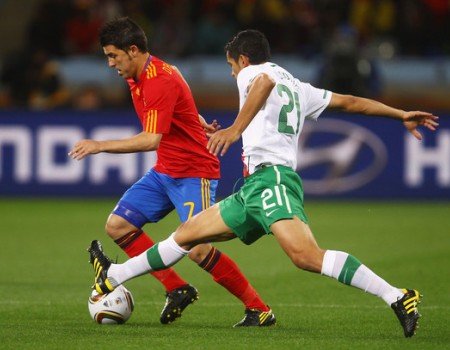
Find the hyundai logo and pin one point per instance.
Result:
(337, 156)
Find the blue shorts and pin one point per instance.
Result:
(155, 195)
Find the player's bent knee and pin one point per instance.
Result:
(117, 227)
(112, 230)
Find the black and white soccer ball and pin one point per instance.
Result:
(112, 308)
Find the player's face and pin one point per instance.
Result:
(121, 61)
(236, 66)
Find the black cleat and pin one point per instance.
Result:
(257, 318)
(101, 264)
(176, 301)
(406, 311)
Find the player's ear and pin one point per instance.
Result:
(133, 50)
(244, 61)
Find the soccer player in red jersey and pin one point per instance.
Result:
(184, 178)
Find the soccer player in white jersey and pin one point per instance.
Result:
(273, 107)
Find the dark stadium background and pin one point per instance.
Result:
(53, 74)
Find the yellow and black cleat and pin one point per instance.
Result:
(176, 301)
(257, 318)
(101, 263)
(406, 310)
(103, 286)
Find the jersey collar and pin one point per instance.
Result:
(149, 59)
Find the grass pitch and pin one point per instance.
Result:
(45, 279)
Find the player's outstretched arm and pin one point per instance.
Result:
(142, 142)
(411, 120)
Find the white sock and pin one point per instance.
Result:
(165, 254)
(159, 257)
(133, 267)
(347, 269)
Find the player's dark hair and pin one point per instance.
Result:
(122, 33)
(251, 43)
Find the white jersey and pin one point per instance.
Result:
(272, 136)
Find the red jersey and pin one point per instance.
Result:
(164, 105)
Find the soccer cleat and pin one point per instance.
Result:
(176, 301)
(406, 310)
(101, 264)
(257, 318)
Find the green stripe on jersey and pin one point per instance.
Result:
(154, 259)
(348, 270)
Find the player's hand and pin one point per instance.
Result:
(414, 119)
(209, 128)
(221, 140)
(83, 148)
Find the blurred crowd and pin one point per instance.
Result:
(334, 30)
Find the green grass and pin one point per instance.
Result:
(45, 279)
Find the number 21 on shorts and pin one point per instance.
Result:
(275, 198)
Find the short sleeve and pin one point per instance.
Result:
(160, 97)
(315, 100)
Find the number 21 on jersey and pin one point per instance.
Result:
(292, 107)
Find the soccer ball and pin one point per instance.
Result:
(112, 308)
